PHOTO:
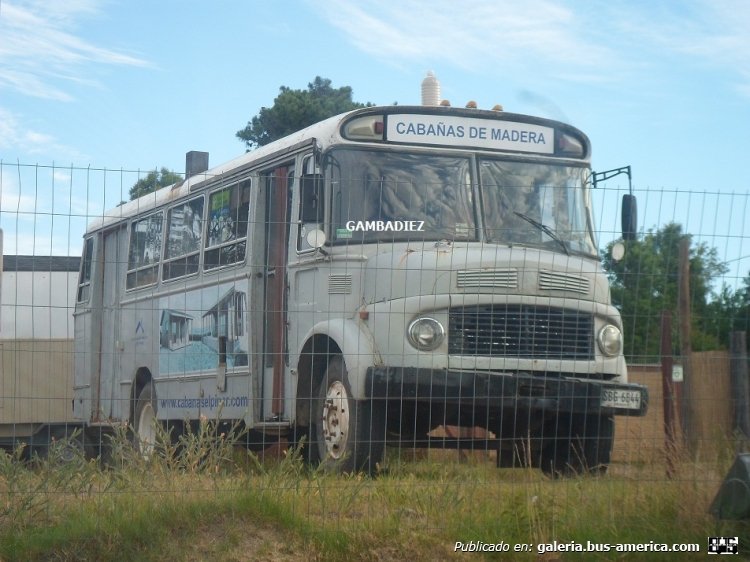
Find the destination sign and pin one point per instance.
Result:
(470, 132)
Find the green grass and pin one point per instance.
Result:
(203, 499)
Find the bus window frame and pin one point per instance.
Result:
(474, 192)
(88, 243)
(312, 173)
(157, 263)
(585, 188)
(205, 248)
(201, 246)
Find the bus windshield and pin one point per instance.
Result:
(389, 196)
(537, 205)
(378, 196)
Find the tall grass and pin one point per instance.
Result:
(199, 497)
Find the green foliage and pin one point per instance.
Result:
(283, 512)
(25, 486)
(646, 282)
(296, 109)
(729, 312)
(154, 180)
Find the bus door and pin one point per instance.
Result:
(114, 261)
(277, 186)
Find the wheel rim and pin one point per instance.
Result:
(68, 447)
(146, 431)
(69, 452)
(336, 420)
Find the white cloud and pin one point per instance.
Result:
(17, 135)
(39, 47)
(702, 33)
(724, 40)
(478, 34)
(575, 41)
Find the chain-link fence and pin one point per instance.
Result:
(259, 367)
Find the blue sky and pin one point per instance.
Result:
(661, 85)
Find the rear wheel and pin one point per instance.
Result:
(580, 445)
(70, 443)
(348, 434)
(145, 420)
(61, 444)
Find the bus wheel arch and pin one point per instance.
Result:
(311, 368)
(144, 411)
(142, 378)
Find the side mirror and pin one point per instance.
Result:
(629, 217)
(311, 191)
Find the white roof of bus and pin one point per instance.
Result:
(325, 132)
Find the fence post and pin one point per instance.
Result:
(739, 382)
(687, 417)
(667, 362)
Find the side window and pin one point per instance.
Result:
(311, 204)
(84, 280)
(184, 232)
(145, 251)
(226, 230)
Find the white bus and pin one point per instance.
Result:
(370, 278)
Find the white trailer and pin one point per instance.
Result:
(36, 348)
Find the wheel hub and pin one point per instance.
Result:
(146, 430)
(336, 420)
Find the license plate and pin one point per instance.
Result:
(619, 398)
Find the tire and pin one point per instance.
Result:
(581, 445)
(144, 421)
(70, 443)
(348, 434)
(60, 444)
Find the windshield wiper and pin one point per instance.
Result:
(546, 229)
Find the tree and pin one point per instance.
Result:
(646, 282)
(725, 314)
(154, 180)
(730, 312)
(296, 109)
(741, 319)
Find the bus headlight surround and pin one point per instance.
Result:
(610, 340)
(426, 333)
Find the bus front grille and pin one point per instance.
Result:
(523, 331)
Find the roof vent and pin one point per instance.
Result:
(430, 90)
(195, 163)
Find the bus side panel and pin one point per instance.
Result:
(115, 252)
(200, 353)
(83, 364)
(139, 344)
(87, 322)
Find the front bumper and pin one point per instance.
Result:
(497, 391)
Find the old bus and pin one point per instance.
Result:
(370, 278)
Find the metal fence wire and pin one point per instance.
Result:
(366, 367)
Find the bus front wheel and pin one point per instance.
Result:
(349, 434)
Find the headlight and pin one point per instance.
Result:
(610, 340)
(426, 334)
